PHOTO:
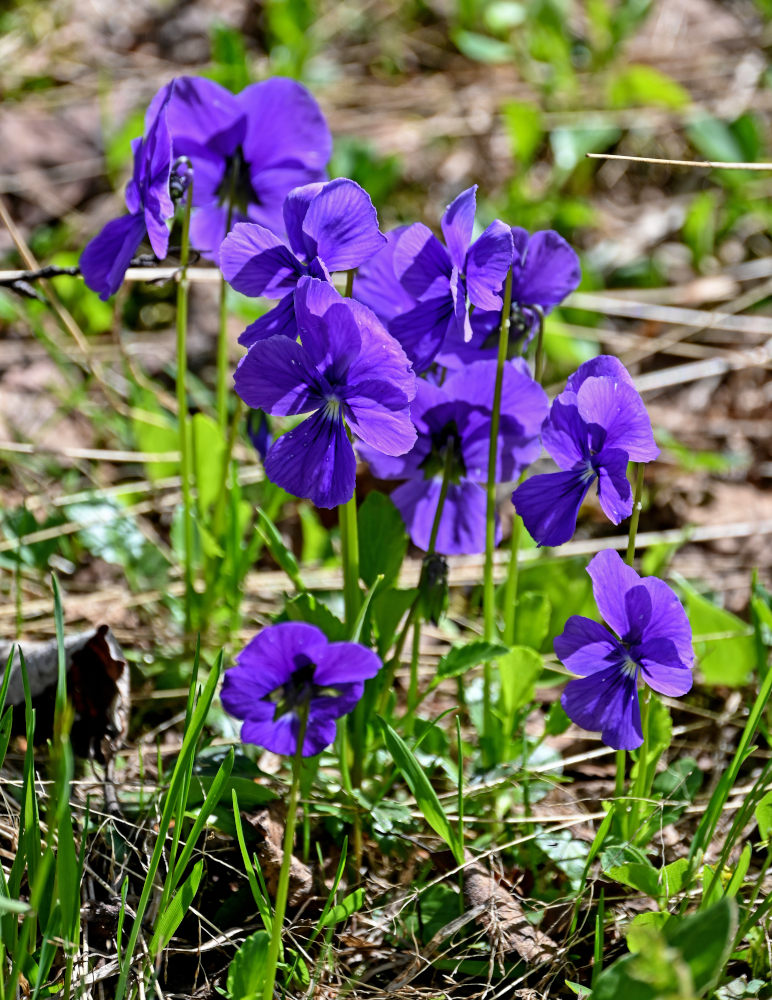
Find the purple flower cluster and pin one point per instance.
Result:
(402, 372)
(291, 676)
(653, 639)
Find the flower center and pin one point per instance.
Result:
(629, 667)
(332, 408)
(444, 440)
(235, 190)
(298, 690)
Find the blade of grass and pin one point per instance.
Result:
(180, 775)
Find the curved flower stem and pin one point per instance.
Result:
(513, 573)
(182, 403)
(489, 591)
(282, 888)
(222, 335)
(632, 818)
(490, 508)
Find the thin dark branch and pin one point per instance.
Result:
(21, 282)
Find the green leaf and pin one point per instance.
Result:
(660, 729)
(13, 905)
(533, 619)
(471, 654)
(230, 65)
(308, 608)
(643, 86)
(566, 852)
(519, 670)
(523, 124)
(481, 48)
(108, 531)
(643, 877)
(639, 929)
(699, 234)
(343, 910)
(763, 814)
(155, 433)
(248, 969)
(714, 139)
(705, 941)
(571, 145)
(722, 641)
(557, 722)
(382, 539)
(683, 959)
(566, 584)
(208, 450)
(275, 545)
(251, 795)
(387, 610)
(741, 870)
(172, 916)
(659, 883)
(419, 785)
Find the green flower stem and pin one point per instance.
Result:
(414, 613)
(630, 557)
(349, 544)
(412, 691)
(222, 358)
(282, 889)
(640, 791)
(182, 403)
(619, 783)
(539, 359)
(513, 576)
(489, 591)
(349, 537)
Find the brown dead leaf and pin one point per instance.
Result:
(97, 686)
(270, 828)
(503, 918)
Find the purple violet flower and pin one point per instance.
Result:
(441, 279)
(331, 226)
(291, 669)
(545, 270)
(457, 416)
(653, 638)
(248, 150)
(595, 427)
(345, 368)
(105, 259)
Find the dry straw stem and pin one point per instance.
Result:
(709, 164)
